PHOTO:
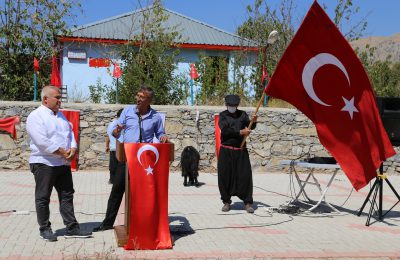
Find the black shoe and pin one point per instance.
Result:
(226, 207)
(249, 208)
(48, 235)
(76, 232)
(102, 228)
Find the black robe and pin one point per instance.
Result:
(234, 168)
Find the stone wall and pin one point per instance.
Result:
(280, 134)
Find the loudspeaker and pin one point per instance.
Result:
(389, 109)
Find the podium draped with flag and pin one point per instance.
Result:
(148, 166)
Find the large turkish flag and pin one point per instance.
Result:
(320, 74)
(148, 166)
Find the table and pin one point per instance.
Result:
(314, 181)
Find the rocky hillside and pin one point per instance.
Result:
(385, 46)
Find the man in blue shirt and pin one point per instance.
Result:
(111, 147)
(140, 123)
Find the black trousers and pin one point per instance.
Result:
(117, 192)
(112, 166)
(59, 177)
(234, 175)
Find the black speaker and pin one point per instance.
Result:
(389, 109)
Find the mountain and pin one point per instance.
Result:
(385, 46)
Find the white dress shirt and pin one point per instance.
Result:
(48, 132)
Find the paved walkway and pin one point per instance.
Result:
(200, 229)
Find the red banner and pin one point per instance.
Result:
(148, 166)
(99, 62)
(117, 70)
(35, 64)
(217, 134)
(55, 79)
(320, 74)
(8, 124)
(73, 118)
(193, 72)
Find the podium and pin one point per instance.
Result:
(145, 195)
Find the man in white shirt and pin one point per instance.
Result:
(53, 146)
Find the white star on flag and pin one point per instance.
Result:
(349, 106)
(149, 170)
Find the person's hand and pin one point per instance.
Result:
(62, 152)
(107, 149)
(245, 131)
(118, 130)
(254, 118)
(164, 139)
(71, 154)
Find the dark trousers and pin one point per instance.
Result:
(234, 175)
(59, 177)
(112, 166)
(117, 192)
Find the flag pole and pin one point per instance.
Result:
(272, 37)
(191, 92)
(34, 86)
(116, 92)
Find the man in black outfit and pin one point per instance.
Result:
(234, 168)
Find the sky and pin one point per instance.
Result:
(383, 16)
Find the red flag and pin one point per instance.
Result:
(264, 75)
(193, 72)
(117, 70)
(35, 64)
(320, 74)
(73, 117)
(55, 72)
(8, 124)
(148, 166)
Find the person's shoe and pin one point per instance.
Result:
(102, 228)
(226, 207)
(48, 235)
(77, 233)
(249, 208)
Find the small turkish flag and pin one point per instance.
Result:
(193, 72)
(320, 74)
(117, 70)
(148, 166)
(35, 64)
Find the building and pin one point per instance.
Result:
(90, 52)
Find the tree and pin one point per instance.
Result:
(213, 73)
(28, 29)
(148, 59)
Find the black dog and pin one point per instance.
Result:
(190, 158)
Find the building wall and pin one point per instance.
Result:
(280, 134)
(78, 76)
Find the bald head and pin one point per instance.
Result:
(51, 98)
(48, 90)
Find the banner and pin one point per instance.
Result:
(320, 74)
(217, 134)
(148, 166)
(8, 124)
(55, 79)
(73, 118)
